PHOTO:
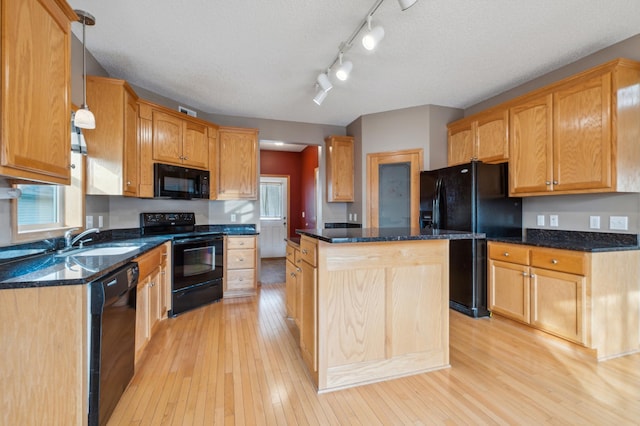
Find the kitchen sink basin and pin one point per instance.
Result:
(107, 251)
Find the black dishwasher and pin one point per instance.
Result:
(112, 340)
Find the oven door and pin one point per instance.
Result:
(197, 260)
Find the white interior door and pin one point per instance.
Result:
(273, 216)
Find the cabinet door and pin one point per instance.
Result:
(308, 316)
(290, 289)
(582, 135)
(155, 300)
(509, 290)
(195, 148)
(130, 172)
(492, 136)
(461, 143)
(557, 303)
(530, 133)
(35, 95)
(237, 168)
(142, 316)
(167, 138)
(340, 164)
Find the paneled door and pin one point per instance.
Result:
(274, 210)
(393, 188)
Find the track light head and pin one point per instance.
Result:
(344, 69)
(323, 82)
(320, 96)
(373, 37)
(406, 4)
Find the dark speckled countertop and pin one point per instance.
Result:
(373, 235)
(575, 240)
(40, 264)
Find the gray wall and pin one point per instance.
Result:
(574, 210)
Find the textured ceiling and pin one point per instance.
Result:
(261, 58)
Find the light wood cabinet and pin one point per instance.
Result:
(149, 296)
(112, 147)
(179, 141)
(293, 282)
(340, 168)
(35, 90)
(575, 136)
(579, 296)
(237, 164)
(482, 137)
(240, 264)
(309, 304)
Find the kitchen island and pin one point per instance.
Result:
(375, 303)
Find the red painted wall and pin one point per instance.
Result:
(287, 164)
(308, 196)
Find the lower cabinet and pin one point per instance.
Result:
(240, 264)
(291, 283)
(309, 304)
(150, 295)
(590, 298)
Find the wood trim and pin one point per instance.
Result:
(412, 156)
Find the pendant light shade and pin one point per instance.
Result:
(406, 4)
(84, 118)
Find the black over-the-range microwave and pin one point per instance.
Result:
(180, 182)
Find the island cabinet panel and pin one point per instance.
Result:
(382, 311)
(44, 366)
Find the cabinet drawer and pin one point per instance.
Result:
(291, 253)
(241, 259)
(308, 250)
(241, 243)
(149, 261)
(241, 279)
(559, 260)
(509, 253)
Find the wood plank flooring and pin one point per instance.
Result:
(236, 362)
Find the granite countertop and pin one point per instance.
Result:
(575, 240)
(372, 235)
(41, 264)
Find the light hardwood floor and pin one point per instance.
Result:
(236, 362)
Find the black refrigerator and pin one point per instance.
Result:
(470, 197)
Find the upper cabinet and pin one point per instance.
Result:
(179, 140)
(578, 135)
(340, 168)
(35, 133)
(237, 164)
(483, 137)
(112, 147)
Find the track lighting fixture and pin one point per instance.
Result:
(344, 69)
(370, 40)
(373, 36)
(406, 4)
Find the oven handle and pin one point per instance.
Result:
(192, 240)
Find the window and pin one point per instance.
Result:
(271, 200)
(43, 211)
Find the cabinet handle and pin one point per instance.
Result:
(506, 254)
(185, 158)
(299, 270)
(241, 243)
(548, 182)
(299, 261)
(291, 274)
(524, 274)
(304, 251)
(555, 182)
(128, 183)
(554, 261)
(532, 275)
(72, 166)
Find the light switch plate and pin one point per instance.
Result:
(553, 220)
(619, 223)
(89, 221)
(594, 222)
(540, 220)
(100, 221)
(233, 217)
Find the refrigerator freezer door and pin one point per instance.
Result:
(468, 277)
(457, 205)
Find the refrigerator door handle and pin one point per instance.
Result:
(436, 205)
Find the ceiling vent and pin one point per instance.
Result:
(187, 111)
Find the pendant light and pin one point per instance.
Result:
(84, 118)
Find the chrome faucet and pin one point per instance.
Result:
(68, 242)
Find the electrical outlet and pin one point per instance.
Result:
(100, 221)
(540, 220)
(350, 217)
(594, 222)
(302, 214)
(553, 220)
(89, 221)
(355, 217)
(233, 217)
(620, 223)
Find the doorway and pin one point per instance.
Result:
(274, 210)
(393, 188)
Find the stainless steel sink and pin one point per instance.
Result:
(107, 251)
